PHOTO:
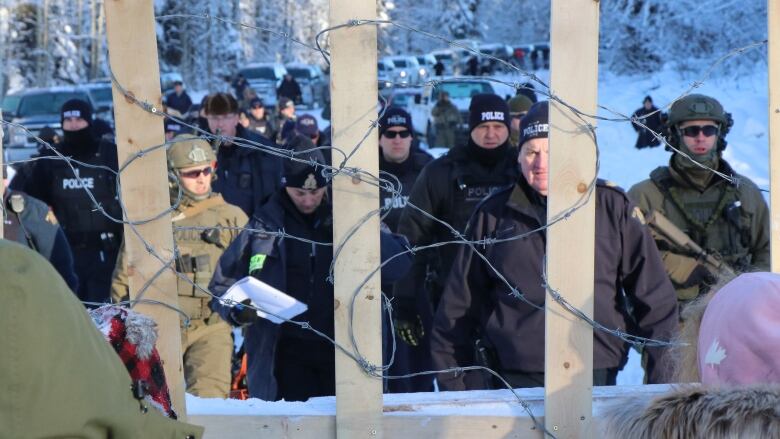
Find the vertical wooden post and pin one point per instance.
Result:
(130, 28)
(570, 243)
(773, 25)
(353, 85)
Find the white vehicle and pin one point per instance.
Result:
(460, 90)
(463, 50)
(426, 66)
(385, 72)
(500, 51)
(407, 69)
(264, 78)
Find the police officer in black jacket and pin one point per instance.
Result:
(30, 222)
(449, 188)
(65, 185)
(285, 361)
(246, 176)
(402, 165)
(476, 299)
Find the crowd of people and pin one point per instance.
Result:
(452, 304)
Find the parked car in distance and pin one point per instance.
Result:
(35, 108)
(385, 71)
(103, 99)
(311, 80)
(426, 66)
(407, 69)
(404, 97)
(264, 78)
(499, 51)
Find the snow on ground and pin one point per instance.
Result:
(747, 152)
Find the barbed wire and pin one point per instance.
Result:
(384, 182)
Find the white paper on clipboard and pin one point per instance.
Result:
(265, 297)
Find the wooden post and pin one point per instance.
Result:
(353, 86)
(773, 18)
(130, 28)
(570, 243)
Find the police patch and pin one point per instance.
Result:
(310, 183)
(638, 215)
(256, 262)
(197, 154)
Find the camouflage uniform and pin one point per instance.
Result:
(730, 219)
(446, 120)
(206, 343)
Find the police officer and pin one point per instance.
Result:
(258, 119)
(476, 300)
(449, 188)
(204, 226)
(246, 176)
(286, 361)
(518, 107)
(404, 164)
(30, 222)
(446, 120)
(66, 185)
(727, 218)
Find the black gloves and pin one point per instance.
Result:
(242, 314)
(407, 322)
(699, 276)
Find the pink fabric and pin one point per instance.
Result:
(739, 339)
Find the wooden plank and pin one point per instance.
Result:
(130, 29)
(492, 414)
(773, 17)
(570, 243)
(353, 88)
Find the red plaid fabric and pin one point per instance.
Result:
(132, 336)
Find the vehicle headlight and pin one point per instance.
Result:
(403, 73)
(422, 72)
(17, 136)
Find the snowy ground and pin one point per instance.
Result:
(620, 162)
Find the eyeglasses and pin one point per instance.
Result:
(694, 130)
(196, 173)
(403, 134)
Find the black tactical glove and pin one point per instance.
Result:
(410, 331)
(407, 322)
(242, 314)
(699, 276)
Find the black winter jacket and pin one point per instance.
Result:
(406, 173)
(474, 298)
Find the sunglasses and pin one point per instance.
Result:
(196, 173)
(403, 134)
(694, 130)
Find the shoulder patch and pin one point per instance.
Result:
(256, 262)
(637, 213)
(51, 218)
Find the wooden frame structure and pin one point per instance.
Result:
(569, 398)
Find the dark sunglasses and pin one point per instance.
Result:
(694, 130)
(391, 134)
(196, 173)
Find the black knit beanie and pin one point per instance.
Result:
(535, 124)
(76, 108)
(487, 108)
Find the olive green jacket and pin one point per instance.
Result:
(735, 219)
(58, 375)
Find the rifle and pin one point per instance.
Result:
(661, 225)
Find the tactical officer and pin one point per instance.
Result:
(518, 107)
(30, 222)
(728, 218)
(446, 120)
(286, 361)
(476, 299)
(204, 226)
(59, 376)
(66, 185)
(258, 119)
(448, 189)
(403, 164)
(246, 176)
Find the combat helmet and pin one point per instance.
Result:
(698, 107)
